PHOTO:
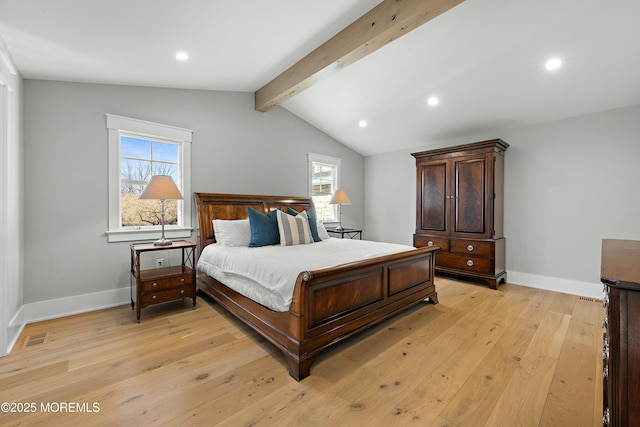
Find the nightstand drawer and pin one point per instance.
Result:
(472, 247)
(168, 295)
(167, 283)
(465, 262)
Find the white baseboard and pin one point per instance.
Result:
(566, 286)
(16, 325)
(60, 307)
(51, 309)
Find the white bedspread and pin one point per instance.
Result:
(267, 274)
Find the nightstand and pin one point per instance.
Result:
(350, 233)
(158, 285)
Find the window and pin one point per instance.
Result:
(139, 150)
(324, 180)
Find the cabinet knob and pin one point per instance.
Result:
(429, 243)
(182, 279)
(470, 263)
(181, 291)
(605, 301)
(605, 372)
(154, 297)
(155, 284)
(605, 354)
(606, 418)
(605, 322)
(470, 248)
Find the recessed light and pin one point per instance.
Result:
(182, 56)
(433, 101)
(362, 123)
(553, 64)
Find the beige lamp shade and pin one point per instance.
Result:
(340, 198)
(161, 187)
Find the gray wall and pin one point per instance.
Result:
(235, 149)
(568, 184)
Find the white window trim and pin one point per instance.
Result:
(118, 125)
(320, 158)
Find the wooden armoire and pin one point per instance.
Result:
(459, 207)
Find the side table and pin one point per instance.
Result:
(350, 233)
(158, 285)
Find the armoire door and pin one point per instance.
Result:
(433, 211)
(470, 192)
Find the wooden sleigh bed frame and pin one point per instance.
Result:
(329, 305)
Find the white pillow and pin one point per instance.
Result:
(232, 232)
(322, 232)
(294, 230)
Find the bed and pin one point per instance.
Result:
(328, 305)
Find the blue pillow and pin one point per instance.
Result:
(264, 228)
(313, 222)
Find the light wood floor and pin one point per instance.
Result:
(513, 357)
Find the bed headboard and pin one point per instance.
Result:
(212, 206)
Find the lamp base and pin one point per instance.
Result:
(163, 242)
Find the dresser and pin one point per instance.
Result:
(459, 207)
(620, 274)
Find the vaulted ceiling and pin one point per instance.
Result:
(483, 59)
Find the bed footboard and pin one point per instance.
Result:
(333, 304)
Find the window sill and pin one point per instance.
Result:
(147, 235)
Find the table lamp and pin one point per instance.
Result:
(161, 187)
(340, 198)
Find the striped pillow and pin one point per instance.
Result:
(294, 230)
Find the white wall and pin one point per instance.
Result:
(235, 149)
(11, 202)
(568, 184)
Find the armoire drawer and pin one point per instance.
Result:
(471, 263)
(422, 241)
(472, 247)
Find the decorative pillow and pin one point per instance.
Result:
(322, 231)
(264, 228)
(294, 230)
(311, 215)
(232, 232)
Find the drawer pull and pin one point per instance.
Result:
(182, 279)
(606, 418)
(470, 263)
(470, 248)
(155, 284)
(605, 322)
(429, 243)
(605, 354)
(605, 301)
(182, 291)
(605, 372)
(155, 297)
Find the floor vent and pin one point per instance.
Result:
(36, 339)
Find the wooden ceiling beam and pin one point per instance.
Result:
(384, 23)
